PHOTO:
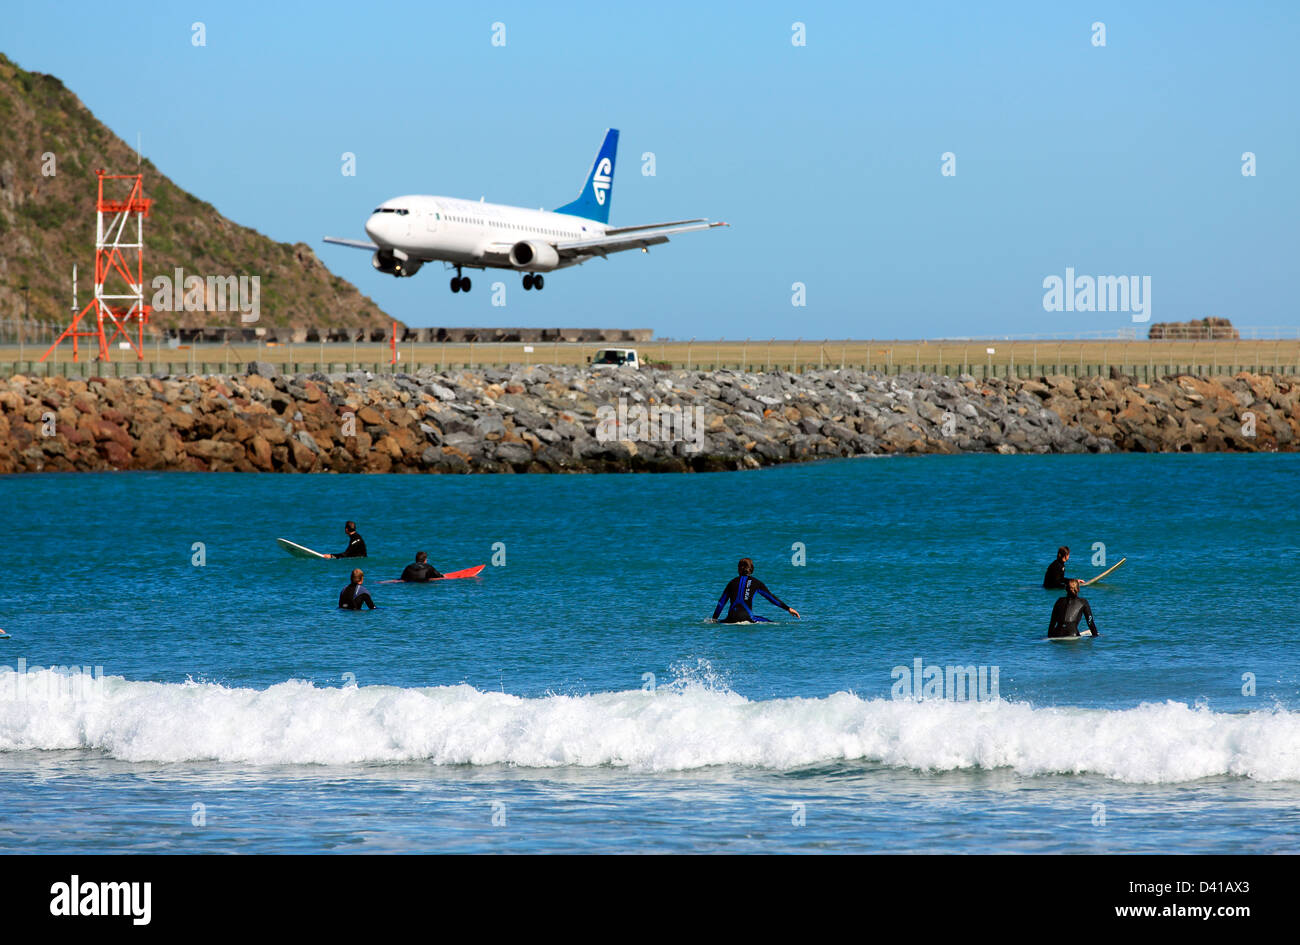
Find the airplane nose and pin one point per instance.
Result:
(373, 227)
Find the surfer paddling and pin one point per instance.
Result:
(354, 596)
(1068, 611)
(356, 544)
(421, 570)
(739, 594)
(1054, 579)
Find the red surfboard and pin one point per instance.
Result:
(467, 573)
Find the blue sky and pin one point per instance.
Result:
(826, 158)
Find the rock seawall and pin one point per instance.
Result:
(545, 419)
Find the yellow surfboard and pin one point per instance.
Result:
(1103, 573)
(297, 550)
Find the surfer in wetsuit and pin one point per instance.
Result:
(1068, 611)
(1054, 579)
(421, 570)
(354, 596)
(739, 594)
(356, 544)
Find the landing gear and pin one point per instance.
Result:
(534, 281)
(528, 281)
(460, 283)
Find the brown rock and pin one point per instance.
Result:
(104, 430)
(303, 458)
(378, 461)
(259, 452)
(214, 450)
(274, 433)
(178, 419)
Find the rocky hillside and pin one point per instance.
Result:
(47, 224)
(569, 420)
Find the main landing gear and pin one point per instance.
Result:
(460, 283)
(532, 281)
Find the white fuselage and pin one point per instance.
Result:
(471, 233)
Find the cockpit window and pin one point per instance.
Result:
(400, 213)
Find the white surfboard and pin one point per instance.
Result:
(297, 550)
(1103, 573)
(1081, 635)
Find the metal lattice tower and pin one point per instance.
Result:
(119, 270)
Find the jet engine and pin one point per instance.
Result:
(386, 260)
(533, 256)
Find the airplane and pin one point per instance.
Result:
(409, 231)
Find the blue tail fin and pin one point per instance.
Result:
(598, 191)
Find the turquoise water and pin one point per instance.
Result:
(574, 698)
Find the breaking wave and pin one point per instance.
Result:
(685, 725)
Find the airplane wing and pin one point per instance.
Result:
(628, 237)
(615, 230)
(355, 244)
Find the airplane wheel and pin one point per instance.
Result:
(465, 283)
(455, 283)
(538, 282)
(528, 280)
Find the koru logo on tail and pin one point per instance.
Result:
(600, 180)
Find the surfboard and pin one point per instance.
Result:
(451, 576)
(1085, 635)
(298, 551)
(1103, 573)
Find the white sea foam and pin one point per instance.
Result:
(681, 726)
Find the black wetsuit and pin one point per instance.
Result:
(356, 547)
(419, 571)
(1054, 579)
(1066, 614)
(739, 594)
(354, 597)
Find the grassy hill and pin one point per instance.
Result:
(47, 225)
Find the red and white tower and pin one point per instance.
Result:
(119, 269)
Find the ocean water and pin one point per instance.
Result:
(575, 699)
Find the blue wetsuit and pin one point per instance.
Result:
(739, 594)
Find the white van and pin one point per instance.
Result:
(615, 357)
